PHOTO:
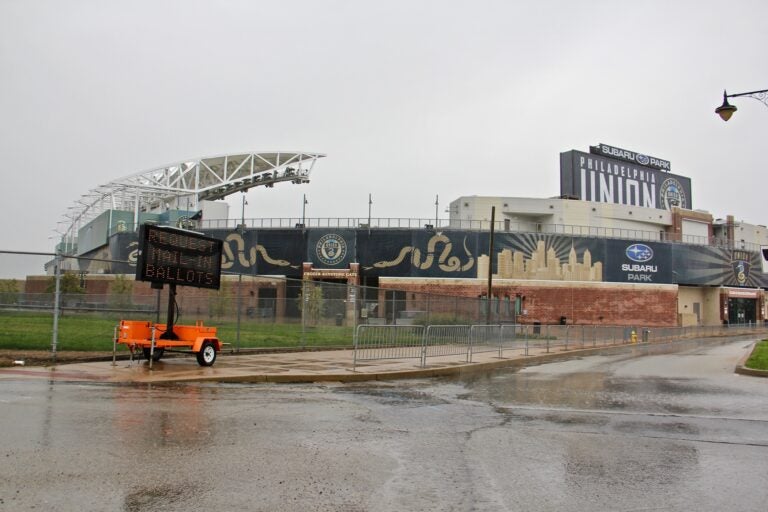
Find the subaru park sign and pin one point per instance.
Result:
(614, 175)
(631, 156)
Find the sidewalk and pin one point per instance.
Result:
(320, 366)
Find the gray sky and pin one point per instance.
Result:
(408, 99)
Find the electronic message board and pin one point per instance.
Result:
(177, 256)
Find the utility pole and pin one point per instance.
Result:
(490, 266)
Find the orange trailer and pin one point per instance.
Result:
(197, 339)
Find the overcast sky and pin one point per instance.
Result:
(408, 99)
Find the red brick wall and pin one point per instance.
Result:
(193, 301)
(546, 301)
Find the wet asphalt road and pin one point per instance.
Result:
(650, 429)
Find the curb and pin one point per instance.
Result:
(743, 370)
(419, 373)
(751, 372)
(382, 374)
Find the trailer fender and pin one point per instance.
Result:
(202, 339)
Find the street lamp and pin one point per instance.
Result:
(726, 110)
(370, 202)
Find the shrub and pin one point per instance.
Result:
(426, 319)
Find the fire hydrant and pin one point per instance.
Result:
(633, 337)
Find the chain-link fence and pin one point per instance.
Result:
(70, 304)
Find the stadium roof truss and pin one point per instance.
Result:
(196, 180)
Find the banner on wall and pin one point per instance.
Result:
(764, 258)
(331, 249)
(464, 254)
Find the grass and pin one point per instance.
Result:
(759, 358)
(94, 332)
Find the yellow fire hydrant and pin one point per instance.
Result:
(633, 337)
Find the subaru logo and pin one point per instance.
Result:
(642, 160)
(639, 253)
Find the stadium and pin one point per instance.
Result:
(619, 245)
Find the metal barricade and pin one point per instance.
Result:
(557, 337)
(603, 335)
(375, 342)
(484, 338)
(446, 340)
(537, 339)
(512, 337)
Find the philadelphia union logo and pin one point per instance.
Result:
(672, 194)
(741, 266)
(331, 249)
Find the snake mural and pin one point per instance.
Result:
(445, 261)
(247, 258)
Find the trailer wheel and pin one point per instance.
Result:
(207, 354)
(157, 355)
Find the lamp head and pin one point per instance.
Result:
(726, 110)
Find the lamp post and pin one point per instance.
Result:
(370, 202)
(726, 110)
(242, 212)
(240, 280)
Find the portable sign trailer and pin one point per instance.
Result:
(197, 339)
(175, 257)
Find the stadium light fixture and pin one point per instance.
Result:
(726, 110)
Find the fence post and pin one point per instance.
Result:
(157, 306)
(152, 348)
(56, 306)
(469, 343)
(525, 336)
(354, 349)
(239, 309)
(304, 306)
(354, 314)
(114, 346)
(546, 336)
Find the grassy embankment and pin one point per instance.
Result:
(32, 331)
(759, 358)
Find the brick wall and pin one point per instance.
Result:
(548, 301)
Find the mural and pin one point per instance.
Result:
(717, 266)
(247, 257)
(445, 260)
(426, 253)
(543, 263)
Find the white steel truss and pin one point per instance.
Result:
(193, 180)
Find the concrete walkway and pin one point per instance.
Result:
(332, 365)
